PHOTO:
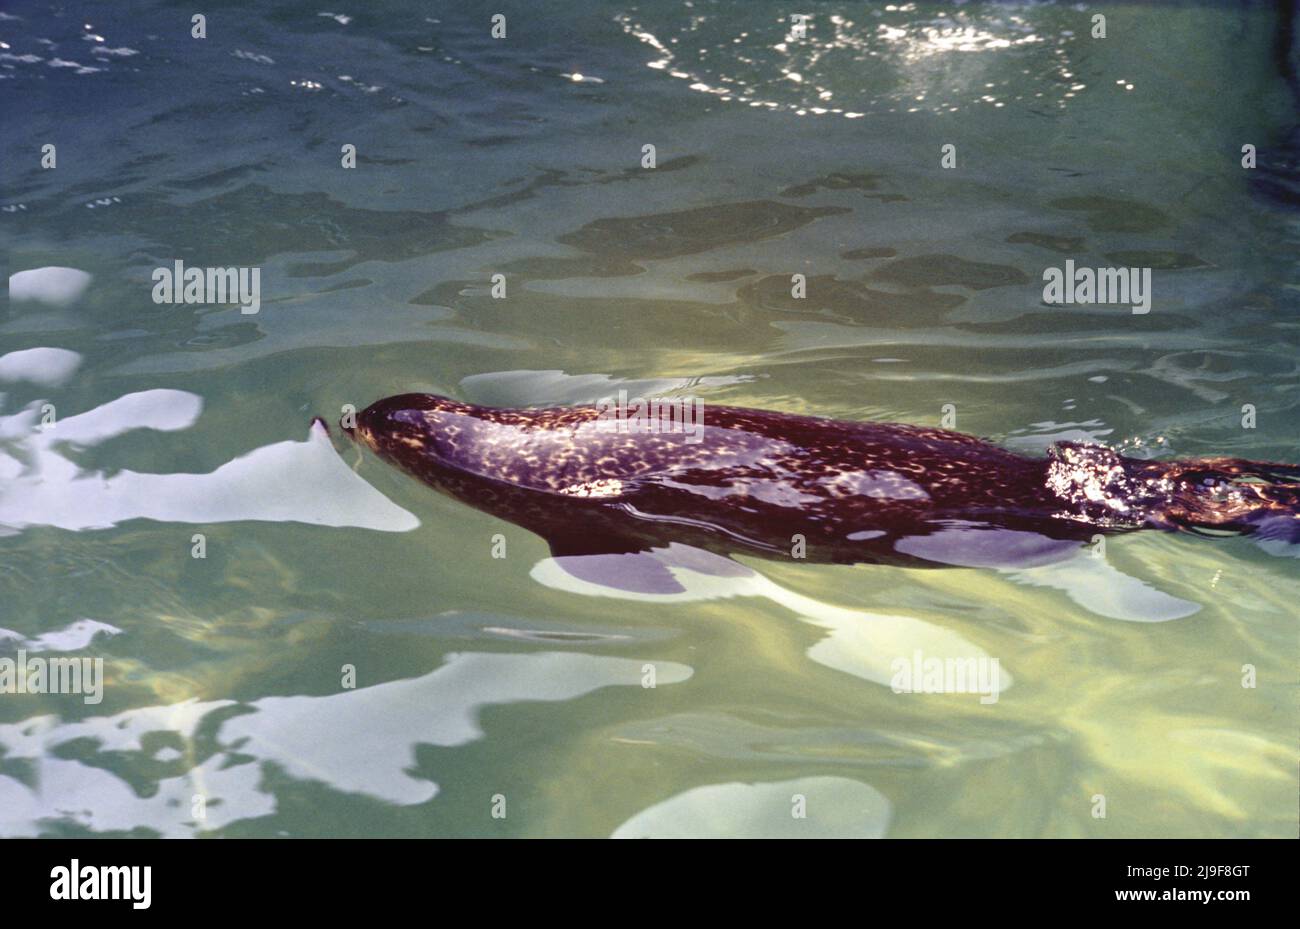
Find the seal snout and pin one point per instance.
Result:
(357, 427)
(382, 423)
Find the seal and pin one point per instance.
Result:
(772, 484)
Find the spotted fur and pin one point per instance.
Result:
(758, 480)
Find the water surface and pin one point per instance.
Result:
(482, 682)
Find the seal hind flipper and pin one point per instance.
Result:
(1283, 529)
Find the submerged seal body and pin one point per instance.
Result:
(773, 484)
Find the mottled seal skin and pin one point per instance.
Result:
(855, 491)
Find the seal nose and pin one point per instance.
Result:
(393, 422)
(361, 426)
(357, 423)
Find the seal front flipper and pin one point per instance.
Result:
(1278, 535)
(613, 561)
(630, 566)
(632, 572)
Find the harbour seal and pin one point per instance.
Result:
(776, 484)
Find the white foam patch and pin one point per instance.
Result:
(360, 741)
(46, 367)
(1101, 588)
(834, 807)
(92, 798)
(53, 285)
(73, 638)
(864, 644)
(288, 481)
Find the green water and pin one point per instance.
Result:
(487, 702)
